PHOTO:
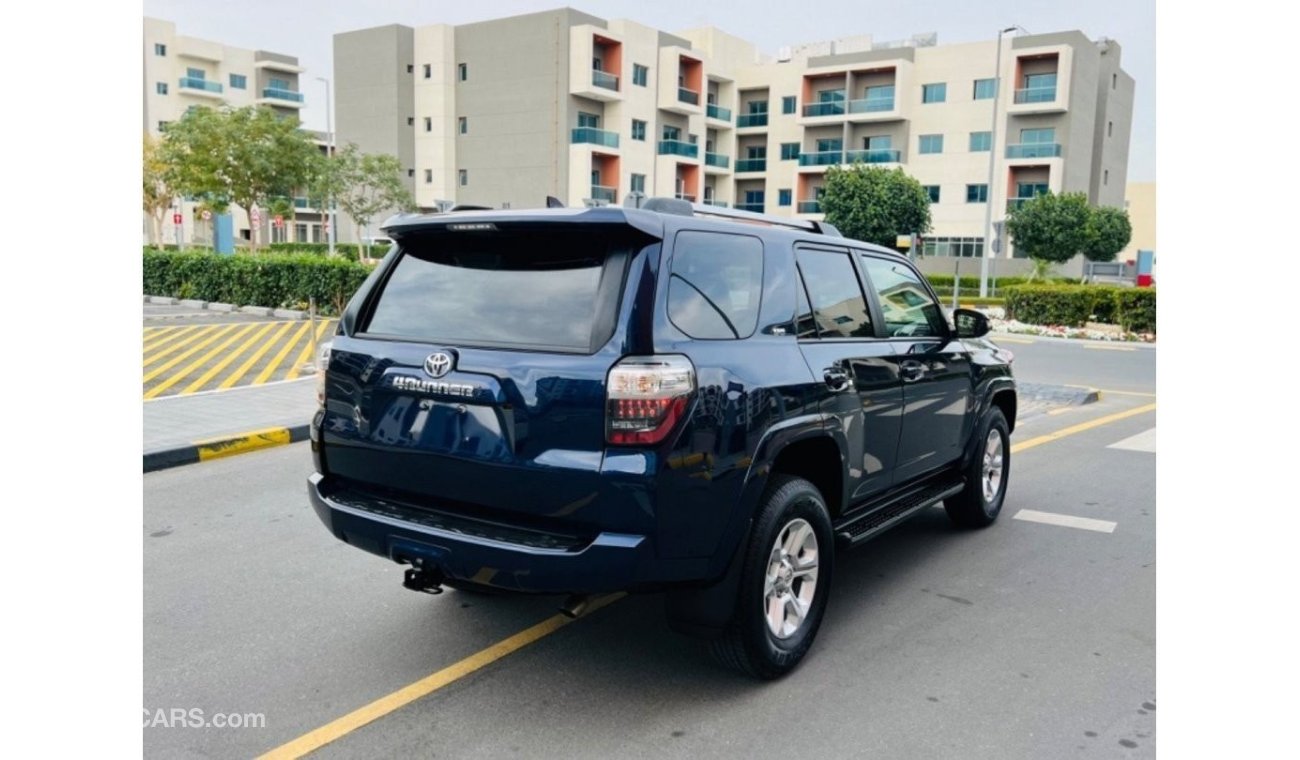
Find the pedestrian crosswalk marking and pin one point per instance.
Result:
(1066, 521)
(1144, 441)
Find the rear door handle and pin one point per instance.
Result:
(911, 370)
(836, 379)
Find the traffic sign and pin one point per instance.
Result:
(279, 220)
(206, 215)
(176, 218)
(256, 215)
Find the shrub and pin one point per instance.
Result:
(1133, 309)
(276, 280)
(349, 251)
(1136, 309)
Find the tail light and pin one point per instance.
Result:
(645, 397)
(322, 364)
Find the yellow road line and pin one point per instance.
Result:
(274, 364)
(305, 356)
(258, 354)
(174, 346)
(1021, 341)
(151, 342)
(339, 727)
(202, 380)
(199, 362)
(172, 362)
(1097, 347)
(1082, 426)
(157, 330)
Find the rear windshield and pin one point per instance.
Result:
(544, 289)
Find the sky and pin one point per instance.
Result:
(306, 29)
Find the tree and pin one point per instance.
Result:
(875, 204)
(158, 193)
(368, 185)
(1109, 231)
(1050, 228)
(242, 156)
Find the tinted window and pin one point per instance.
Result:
(716, 284)
(839, 308)
(502, 289)
(908, 308)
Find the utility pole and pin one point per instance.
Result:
(993, 152)
(329, 128)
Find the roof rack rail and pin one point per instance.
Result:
(688, 208)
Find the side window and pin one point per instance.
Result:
(907, 306)
(716, 285)
(838, 306)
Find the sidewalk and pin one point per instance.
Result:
(176, 427)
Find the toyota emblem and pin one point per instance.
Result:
(438, 364)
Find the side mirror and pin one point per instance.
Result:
(970, 323)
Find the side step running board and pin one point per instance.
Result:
(862, 527)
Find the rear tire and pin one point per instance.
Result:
(987, 473)
(784, 584)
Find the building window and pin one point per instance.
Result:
(1040, 135)
(428, 124)
(162, 126)
(428, 177)
(1114, 80)
(932, 191)
(192, 73)
(1105, 177)
(1110, 127)
(463, 177)
(754, 200)
(784, 196)
(788, 104)
(428, 71)
(963, 247)
(977, 193)
(463, 124)
(638, 130)
(980, 141)
(789, 151)
(462, 71)
(161, 88)
(410, 121)
(159, 49)
(638, 183)
(410, 172)
(934, 93)
(410, 68)
(931, 144)
(239, 82)
(984, 89)
(640, 74)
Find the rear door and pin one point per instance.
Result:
(935, 370)
(861, 391)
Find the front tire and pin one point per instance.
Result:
(980, 502)
(784, 584)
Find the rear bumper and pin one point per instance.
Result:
(486, 553)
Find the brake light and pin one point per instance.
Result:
(322, 364)
(645, 397)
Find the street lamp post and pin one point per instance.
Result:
(329, 127)
(993, 152)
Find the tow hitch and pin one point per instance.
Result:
(419, 578)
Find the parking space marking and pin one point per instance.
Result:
(1065, 521)
(1021, 341)
(1104, 347)
(1144, 441)
(1079, 428)
(180, 361)
(314, 740)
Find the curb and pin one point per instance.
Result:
(215, 448)
(261, 311)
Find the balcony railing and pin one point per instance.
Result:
(871, 105)
(828, 108)
(873, 156)
(717, 159)
(684, 197)
(821, 158)
(756, 207)
(715, 111)
(194, 83)
(279, 94)
(302, 203)
(688, 96)
(714, 202)
(594, 136)
(603, 193)
(752, 120)
(810, 207)
(1034, 150)
(1036, 95)
(751, 165)
(604, 79)
(678, 148)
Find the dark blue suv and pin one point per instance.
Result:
(672, 398)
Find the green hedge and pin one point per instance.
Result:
(349, 251)
(972, 282)
(1134, 309)
(276, 280)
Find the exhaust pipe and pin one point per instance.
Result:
(575, 605)
(418, 578)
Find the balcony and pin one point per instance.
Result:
(715, 111)
(810, 207)
(717, 159)
(684, 197)
(1034, 150)
(203, 87)
(874, 156)
(752, 120)
(678, 148)
(871, 105)
(603, 193)
(755, 207)
(751, 165)
(688, 96)
(604, 80)
(828, 108)
(275, 93)
(822, 158)
(593, 136)
(1036, 95)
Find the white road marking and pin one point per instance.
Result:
(1145, 441)
(1066, 521)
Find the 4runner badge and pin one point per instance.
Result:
(438, 364)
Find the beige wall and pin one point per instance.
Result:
(1141, 203)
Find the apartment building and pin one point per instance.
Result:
(182, 72)
(562, 103)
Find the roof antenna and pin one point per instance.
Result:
(553, 202)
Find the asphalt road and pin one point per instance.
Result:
(1025, 640)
